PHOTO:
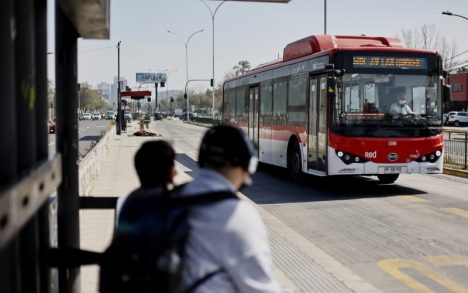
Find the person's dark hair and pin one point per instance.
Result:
(154, 162)
(225, 146)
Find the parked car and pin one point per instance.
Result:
(458, 118)
(158, 116)
(103, 115)
(96, 116)
(128, 116)
(183, 116)
(52, 126)
(86, 116)
(110, 115)
(446, 117)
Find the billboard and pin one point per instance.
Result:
(151, 77)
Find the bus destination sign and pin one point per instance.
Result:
(389, 62)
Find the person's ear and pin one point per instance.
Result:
(173, 173)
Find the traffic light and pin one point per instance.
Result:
(172, 99)
(149, 100)
(212, 82)
(163, 84)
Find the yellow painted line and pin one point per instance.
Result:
(447, 260)
(412, 198)
(456, 211)
(393, 267)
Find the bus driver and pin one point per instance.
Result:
(400, 107)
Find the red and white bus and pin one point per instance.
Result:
(327, 108)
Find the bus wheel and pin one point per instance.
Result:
(387, 178)
(295, 164)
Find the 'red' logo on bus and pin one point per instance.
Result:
(370, 155)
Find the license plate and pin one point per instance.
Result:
(391, 170)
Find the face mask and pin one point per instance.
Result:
(402, 102)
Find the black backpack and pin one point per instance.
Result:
(147, 251)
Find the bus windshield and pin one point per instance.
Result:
(387, 100)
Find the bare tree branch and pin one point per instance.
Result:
(427, 37)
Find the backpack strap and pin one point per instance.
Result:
(206, 198)
(200, 281)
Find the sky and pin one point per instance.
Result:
(256, 32)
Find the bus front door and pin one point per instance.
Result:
(312, 141)
(317, 142)
(253, 115)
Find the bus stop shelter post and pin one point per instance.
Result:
(40, 26)
(9, 271)
(67, 143)
(26, 103)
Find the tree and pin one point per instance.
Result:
(242, 67)
(427, 37)
(90, 100)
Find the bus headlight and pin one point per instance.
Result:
(432, 157)
(350, 158)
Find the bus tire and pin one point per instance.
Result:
(295, 164)
(387, 178)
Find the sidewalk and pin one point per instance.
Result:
(299, 265)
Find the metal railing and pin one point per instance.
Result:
(206, 120)
(456, 149)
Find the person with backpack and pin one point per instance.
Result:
(155, 166)
(227, 248)
(130, 263)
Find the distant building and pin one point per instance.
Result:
(105, 89)
(459, 85)
(114, 88)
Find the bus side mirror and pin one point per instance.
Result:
(339, 72)
(447, 93)
(445, 74)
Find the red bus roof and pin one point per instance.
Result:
(327, 43)
(315, 44)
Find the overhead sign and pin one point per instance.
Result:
(151, 77)
(136, 95)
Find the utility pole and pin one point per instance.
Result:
(325, 16)
(118, 127)
(156, 97)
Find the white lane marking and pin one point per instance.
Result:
(52, 143)
(183, 167)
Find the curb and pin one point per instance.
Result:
(456, 172)
(91, 164)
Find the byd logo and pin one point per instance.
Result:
(370, 155)
(392, 157)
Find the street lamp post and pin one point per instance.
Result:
(213, 16)
(167, 81)
(186, 48)
(325, 17)
(453, 14)
(186, 57)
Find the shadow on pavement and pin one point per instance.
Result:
(274, 185)
(189, 163)
(90, 138)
